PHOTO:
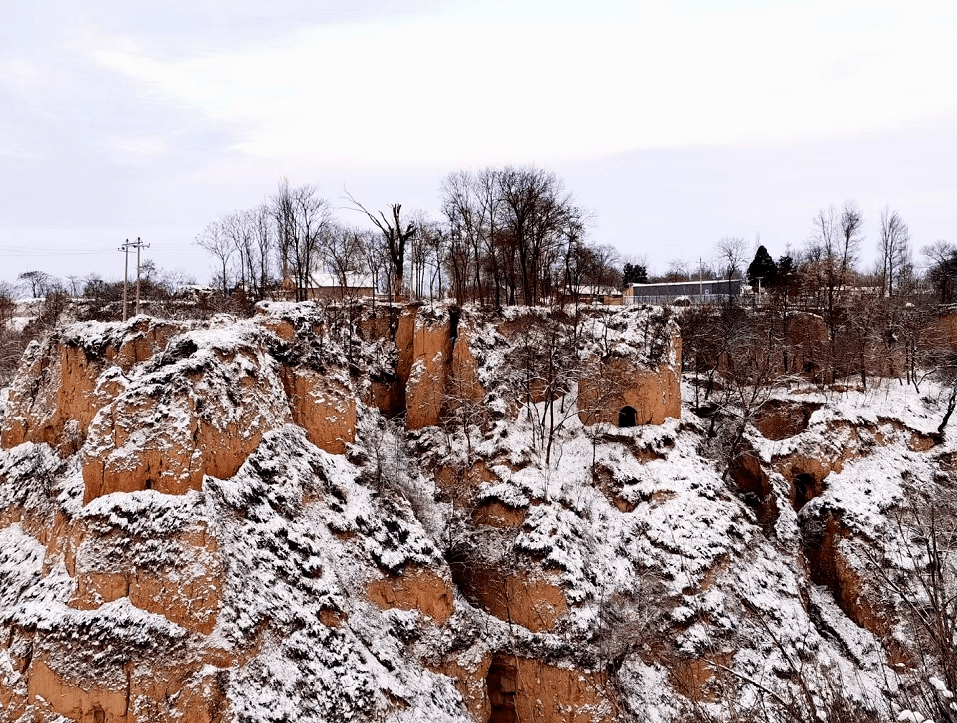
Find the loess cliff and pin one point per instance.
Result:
(357, 513)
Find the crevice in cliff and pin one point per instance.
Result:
(755, 486)
(805, 488)
(501, 685)
(829, 567)
(466, 574)
(455, 314)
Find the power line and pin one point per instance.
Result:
(21, 252)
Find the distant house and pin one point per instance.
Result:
(195, 292)
(588, 294)
(328, 286)
(698, 292)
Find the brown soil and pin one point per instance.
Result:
(692, 677)
(421, 590)
(779, 419)
(464, 369)
(187, 595)
(496, 514)
(141, 694)
(323, 407)
(523, 689)
(470, 681)
(461, 484)
(525, 598)
(428, 375)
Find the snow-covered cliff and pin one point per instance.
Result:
(426, 513)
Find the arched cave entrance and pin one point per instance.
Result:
(627, 417)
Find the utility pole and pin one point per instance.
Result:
(139, 245)
(125, 248)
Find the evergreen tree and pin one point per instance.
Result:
(764, 268)
(787, 272)
(634, 274)
(943, 277)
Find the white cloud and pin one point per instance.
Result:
(135, 149)
(755, 111)
(454, 90)
(19, 75)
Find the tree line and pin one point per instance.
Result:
(515, 235)
(511, 235)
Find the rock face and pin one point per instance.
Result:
(777, 419)
(161, 433)
(827, 551)
(465, 384)
(623, 393)
(529, 599)
(420, 590)
(186, 695)
(181, 494)
(182, 584)
(151, 405)
(429, 358)
(524, 689)
(59, 389)
(325, 408)
(222, 524)
(634, 384)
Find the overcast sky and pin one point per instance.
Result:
(675, 123)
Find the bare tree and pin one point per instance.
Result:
(942, 271)
(395, 238)
(435, 239)
(236, 227)
(829, 260)
(376, 259)
(39, 283)
(607, 266)
(343, 254)
(850, 224)
(425, 261)
(539, 213)
(75, 284)
(8, 302)
(214, 240)
(263, 240)
(894, 248)
(12, 341)
(938, 251)
(467, 230)
(489, 203)
(510, 235)
(301, 218)
(580, 266)
(732, 253)
(677, 270)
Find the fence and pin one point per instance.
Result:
(669, 299)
